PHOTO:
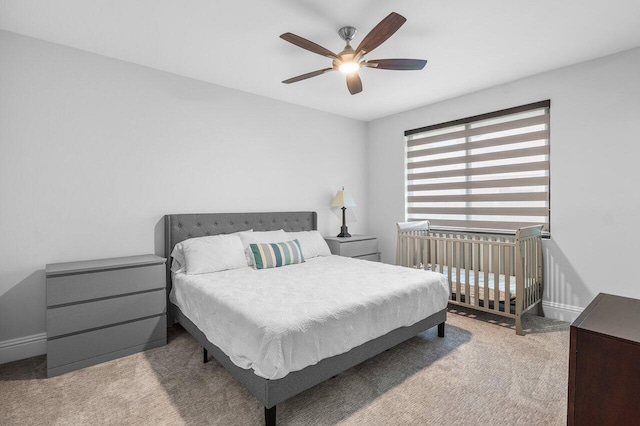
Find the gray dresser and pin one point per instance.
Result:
(357, 246)
(99, 310)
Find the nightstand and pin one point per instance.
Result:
(99, 310)
(357, 246)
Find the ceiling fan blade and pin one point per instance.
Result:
(354, 83)
(307, 75)
(380, 33)
(308, 45)
(396, 64)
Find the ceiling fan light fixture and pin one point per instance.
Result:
(349, 67)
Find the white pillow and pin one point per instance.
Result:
(261, 237)
(213, 254)
(312, 243)
(178, 264)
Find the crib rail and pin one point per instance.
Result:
(496, 273)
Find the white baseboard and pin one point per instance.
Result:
(23, 347)
(560, 311)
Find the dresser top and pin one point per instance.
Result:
(54, 269)
(352, 238)
(611, 315)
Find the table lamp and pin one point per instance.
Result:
(343, 199)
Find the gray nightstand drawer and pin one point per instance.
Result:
(372, 257)
(95, 285)
(82, 347)
(359, 248)
(84, 316)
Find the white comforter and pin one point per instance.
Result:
(280, 320)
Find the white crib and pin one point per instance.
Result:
(496, 273)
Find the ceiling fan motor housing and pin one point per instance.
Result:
(347, 55)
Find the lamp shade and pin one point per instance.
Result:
(343, 199)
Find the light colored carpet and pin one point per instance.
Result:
(480, 373)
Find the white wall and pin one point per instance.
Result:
(94, 151)
(595, 151)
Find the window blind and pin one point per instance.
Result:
(488, 173)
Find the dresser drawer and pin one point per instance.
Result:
(78, 347)
(94, 285)
(359, 248)
(84, 316)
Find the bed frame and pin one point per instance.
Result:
(179, 227)
(475, 262)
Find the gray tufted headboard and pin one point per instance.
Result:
(179, 227)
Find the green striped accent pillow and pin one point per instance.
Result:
(273, 255)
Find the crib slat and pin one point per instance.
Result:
(433, 260)
(415, 249)
(428, 260)
(427, 254)
(467, 260)
(526, 274)
(537, 265)
(439, 249)
(522, 273)
(415, 253)
(540, 272)
(462, 278)
(403, 251)
(496, 277)
(476, 269)
(534, 268)
(527, 299)
(507, 278)
(485, 250)
(534, 263)
(456, 264)
(540, 277)
(531, 271)
(438, 255)
(408, 252)
(448, 247)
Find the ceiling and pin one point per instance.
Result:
(470, 44)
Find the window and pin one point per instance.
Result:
(486, 173)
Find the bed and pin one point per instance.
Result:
(268, 384)
(496, 273)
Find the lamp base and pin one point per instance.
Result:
(344, 232)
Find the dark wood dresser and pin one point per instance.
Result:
(604, 363)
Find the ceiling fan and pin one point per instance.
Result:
(349, 61)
